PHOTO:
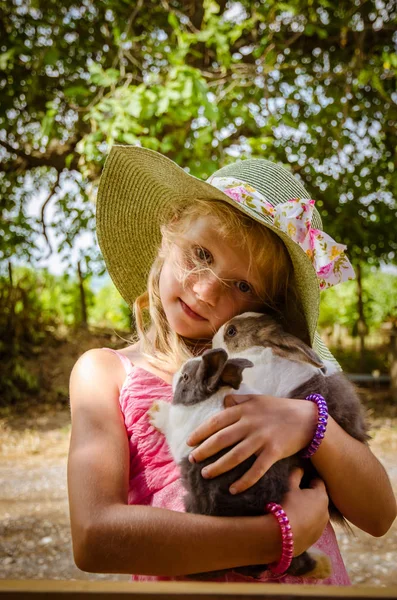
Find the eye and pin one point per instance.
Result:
(244, 287)
(185, 377)
(231, 331)
(203, 254)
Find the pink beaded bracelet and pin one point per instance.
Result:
(287, 550)
(322, 420)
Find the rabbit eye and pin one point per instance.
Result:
(231, 331)
(185, 377)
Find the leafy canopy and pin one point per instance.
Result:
(309, 83)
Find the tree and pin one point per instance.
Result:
(309, 83)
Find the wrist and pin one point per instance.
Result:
(320, 425)
(269, 541)
(305, 414)
(287, 542)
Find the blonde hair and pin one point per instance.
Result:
(268, 261)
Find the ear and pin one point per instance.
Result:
(211, 367)
(232, 373)
(293, 348)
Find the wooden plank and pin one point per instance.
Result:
(171, 590)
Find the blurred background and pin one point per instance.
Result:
(307, 83)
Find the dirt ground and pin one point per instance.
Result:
(34, 520)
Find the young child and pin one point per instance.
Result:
(189, 255)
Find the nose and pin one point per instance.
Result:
(207, 288)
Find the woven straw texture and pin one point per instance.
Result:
(139, 191)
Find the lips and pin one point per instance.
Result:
(191, 313)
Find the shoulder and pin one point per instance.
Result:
(133, 353)
(97, 368)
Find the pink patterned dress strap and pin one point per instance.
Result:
(126, 362)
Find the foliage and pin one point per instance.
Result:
(352, 361)
(35, 304)
(110, 310)
(338, 304)
(38, 303)
(308, 83)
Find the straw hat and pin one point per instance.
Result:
(140, 188)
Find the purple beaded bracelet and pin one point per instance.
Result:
(322, 420)
(287, 550)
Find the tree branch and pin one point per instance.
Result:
(55, 156)
(50, 195)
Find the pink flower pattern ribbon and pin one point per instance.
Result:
(294, 218)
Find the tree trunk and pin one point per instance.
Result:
(393, 362)
(83, 303)
(361, 325)
(10, 327)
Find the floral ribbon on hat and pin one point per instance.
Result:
(294, 218)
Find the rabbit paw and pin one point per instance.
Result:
(158, 415)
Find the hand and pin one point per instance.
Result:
(307, 511)
(272, 428)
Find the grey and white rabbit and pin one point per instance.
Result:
(251, 354)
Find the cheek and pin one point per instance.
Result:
(230, 307)
(166, 281)
(174, 267)
(236, 305)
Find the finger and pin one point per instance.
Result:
(228, 436)
(212, 425)
(229, 401)
(233, 399)
(253, 475)
(231, 459)
(295, 478)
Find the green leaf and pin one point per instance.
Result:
(286, 7)
(103, 78)
(6, 57)
(364, 76)
(173, 21)
(68, 160)
(210, 8)
(377, 84)
(51, 56)
(75, 91)
(187, 89)
(47, 123)
(129, 138)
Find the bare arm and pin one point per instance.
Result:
(111, 536)
(356, 481)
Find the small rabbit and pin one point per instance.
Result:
(251, 354)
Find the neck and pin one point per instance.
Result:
(197, 347)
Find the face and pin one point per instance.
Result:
(222, 287)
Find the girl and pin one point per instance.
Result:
(189, 255)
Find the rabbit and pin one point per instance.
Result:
(251, 354)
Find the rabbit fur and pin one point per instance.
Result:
(252, 354)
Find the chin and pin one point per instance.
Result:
(181, 324)
(187, 330)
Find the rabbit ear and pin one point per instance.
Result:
(232, 373)
(291, 347)
(211, 368)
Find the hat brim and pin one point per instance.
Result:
(138, 192)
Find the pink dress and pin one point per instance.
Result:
(155, 479)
